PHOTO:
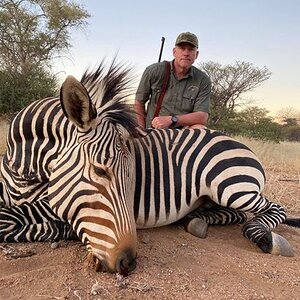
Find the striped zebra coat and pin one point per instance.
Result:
(78, 166)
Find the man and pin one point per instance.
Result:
(187, 98)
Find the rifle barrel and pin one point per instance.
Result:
(161, 48)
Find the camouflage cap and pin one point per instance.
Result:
(187, 37)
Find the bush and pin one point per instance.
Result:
(17, 92)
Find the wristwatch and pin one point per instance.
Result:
(174, 120)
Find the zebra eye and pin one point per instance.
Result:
(101, 172)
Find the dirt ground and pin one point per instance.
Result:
(172, 264)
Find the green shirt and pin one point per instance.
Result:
(189, 94)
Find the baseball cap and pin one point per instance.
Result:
(187, 37)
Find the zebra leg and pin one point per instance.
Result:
(197, 221)
(3, 195)
(259, 229)
(32, 222)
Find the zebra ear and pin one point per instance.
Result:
(76, 102)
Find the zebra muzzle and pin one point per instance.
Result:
(126, 262)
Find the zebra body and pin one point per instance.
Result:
(176, 168)
(78, 164)
(36, 137)
(155, 202)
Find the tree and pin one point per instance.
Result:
(229, 82)
(290, 133)
(16, 92)
(289, 116)
(32, 33)
(253, 122)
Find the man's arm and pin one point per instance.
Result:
(139, 108)
(142, 96)
(195, 119)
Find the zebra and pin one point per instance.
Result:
(78, 166)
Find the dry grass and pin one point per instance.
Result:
(282, 165)
(283, 157)
(3, 132)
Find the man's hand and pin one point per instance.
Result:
(161, 122)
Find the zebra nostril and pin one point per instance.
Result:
(97, 264)
(126, 263)
(100, 265)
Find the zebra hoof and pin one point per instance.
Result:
(281, 246)
(198, 228)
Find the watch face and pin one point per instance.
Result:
(174, 120)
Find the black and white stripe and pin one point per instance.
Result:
(175, 168)
(79, 164)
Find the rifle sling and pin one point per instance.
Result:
(163, 88)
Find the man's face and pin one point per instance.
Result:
(185, 54)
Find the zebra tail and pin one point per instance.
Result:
(294, 222)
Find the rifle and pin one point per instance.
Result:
(161, 48)
(165, 81)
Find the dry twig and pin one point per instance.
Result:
(14, 253)
(97, 288)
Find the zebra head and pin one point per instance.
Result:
(91, 184)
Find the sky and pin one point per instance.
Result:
(261, 32)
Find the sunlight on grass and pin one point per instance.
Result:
(283, 157)
(282, 166)
(3, 132)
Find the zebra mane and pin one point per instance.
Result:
(108, 88)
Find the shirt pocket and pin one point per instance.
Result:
(191, 92)
(188, 99)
